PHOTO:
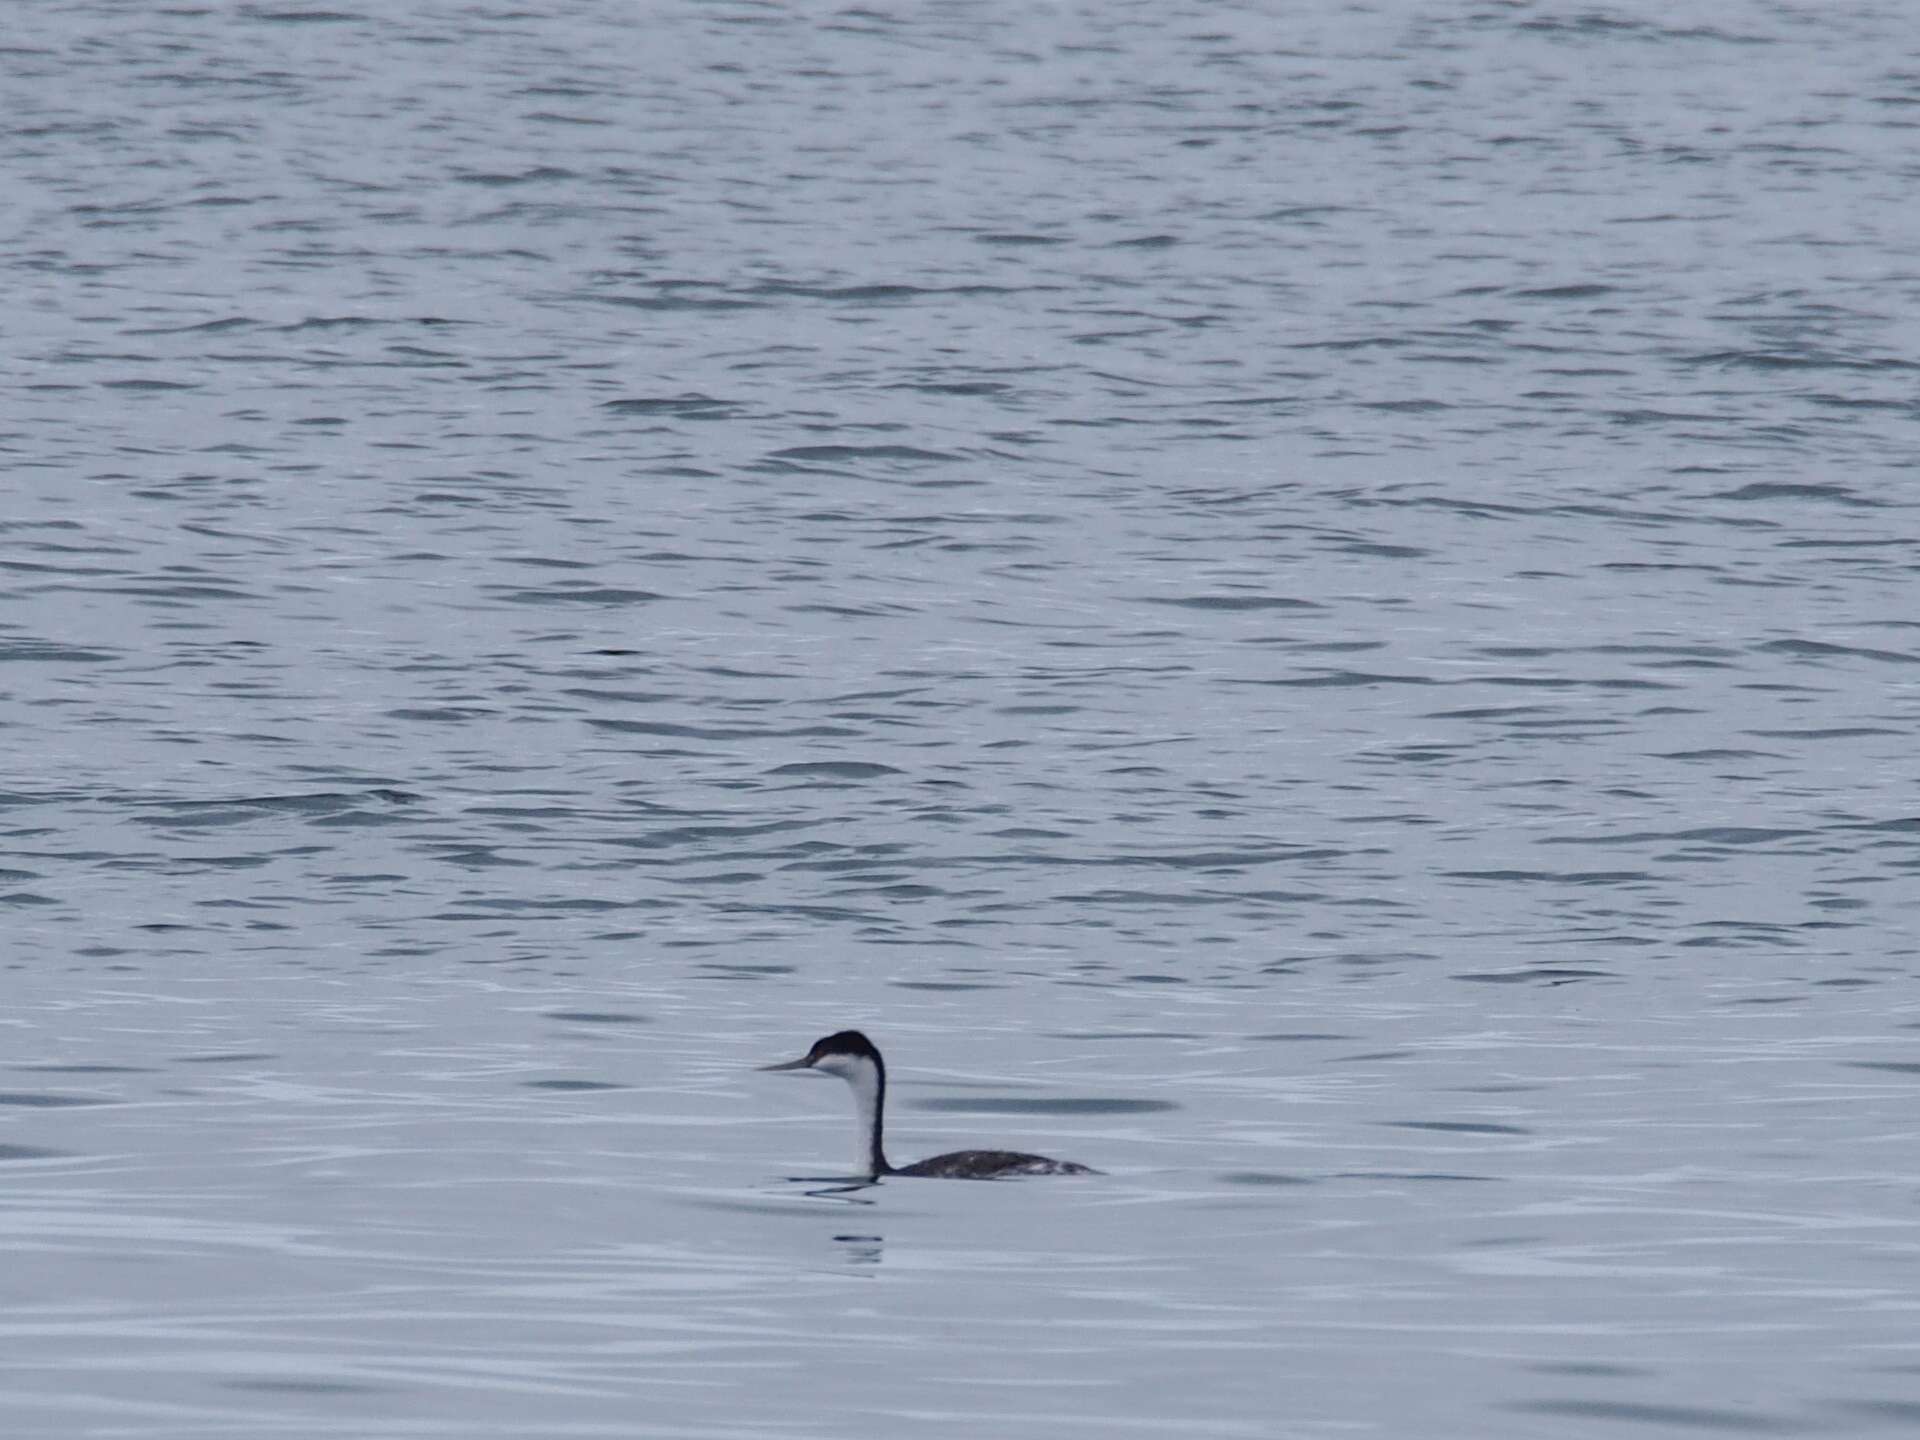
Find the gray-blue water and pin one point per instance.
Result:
(1313, 605)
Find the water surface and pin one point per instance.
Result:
(1312, 608)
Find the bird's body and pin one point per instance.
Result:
(852, 1057)
(990, 1165)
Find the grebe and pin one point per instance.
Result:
(852, 1057)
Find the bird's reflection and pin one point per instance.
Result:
(862, 1249)
(844, 1188)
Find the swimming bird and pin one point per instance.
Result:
(853, 1057)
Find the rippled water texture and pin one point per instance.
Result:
(1313, 606)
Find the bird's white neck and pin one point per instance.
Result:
(869, 1085)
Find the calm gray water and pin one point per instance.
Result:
(1313, 605)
